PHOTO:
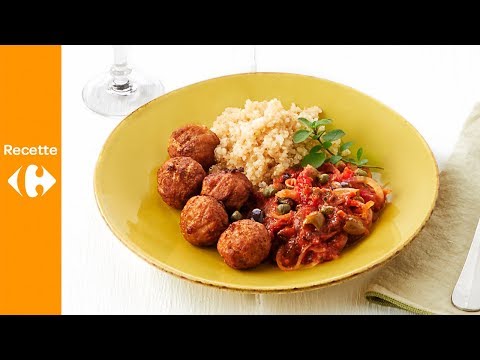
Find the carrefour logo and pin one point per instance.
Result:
(46, 180)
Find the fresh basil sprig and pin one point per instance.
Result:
(321, 153)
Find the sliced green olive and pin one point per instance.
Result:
(360, 172)
(354, 227)
(323, 179)
(327, 210)
(311, 172)
(283, 209)
(315, 218)
(269, 191)
(237, 215)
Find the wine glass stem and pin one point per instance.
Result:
(253, 58)
(120, 71)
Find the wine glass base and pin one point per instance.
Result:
(101, 96)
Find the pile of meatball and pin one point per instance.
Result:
(212, 204)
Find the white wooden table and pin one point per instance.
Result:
(434, 87)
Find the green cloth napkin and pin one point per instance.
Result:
(422, 277)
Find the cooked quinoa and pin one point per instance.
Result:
(259, 138)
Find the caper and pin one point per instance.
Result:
(283, 209)
(360, 172)
(323, 179)
(327, 210)
(269, 191)
(237, 215)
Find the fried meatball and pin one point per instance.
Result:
(203, 220)
(179, 179)
(230, 187)
(195, 141)
(244, 245)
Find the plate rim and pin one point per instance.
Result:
(263, 289)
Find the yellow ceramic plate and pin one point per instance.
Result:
(125, 178)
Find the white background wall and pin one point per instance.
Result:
(434, 87)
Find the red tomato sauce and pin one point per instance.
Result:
(328, 209)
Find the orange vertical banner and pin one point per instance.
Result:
(30, 193)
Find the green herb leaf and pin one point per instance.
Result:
(300, 136)
(324, 122)
(345, 146)
(306, 122)
(335, 159)
(333, 135)
(316, 148)
(314, 159)
(318, 123)
(318, 154)
(359, 153)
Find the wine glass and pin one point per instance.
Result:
(253, 58)
(122, 89)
